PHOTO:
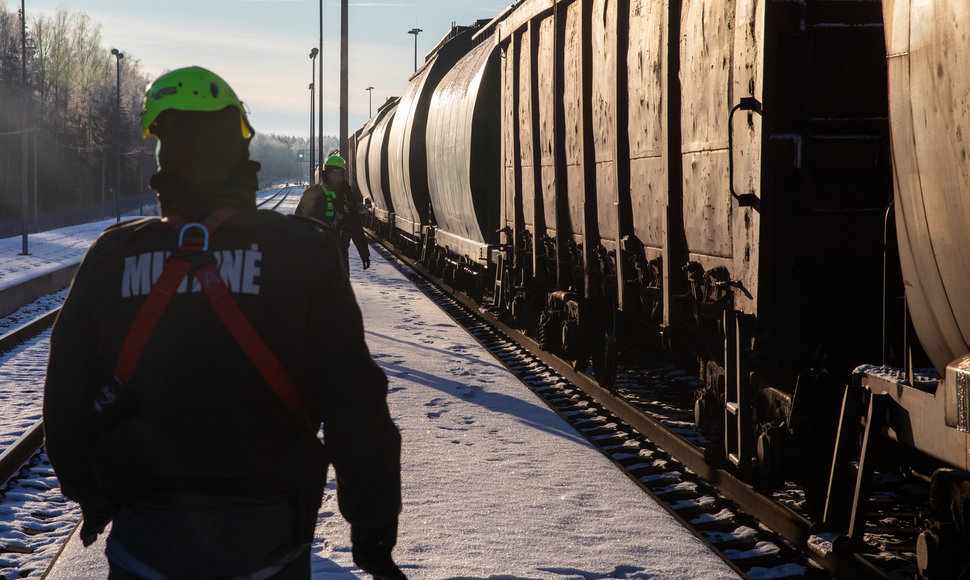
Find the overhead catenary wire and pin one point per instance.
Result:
(11, 133)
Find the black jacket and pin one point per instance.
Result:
(313, 204)
(197, 416)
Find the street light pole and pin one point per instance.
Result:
(313, 72)
(415, 32)
(23, 122)
(118, 56)
(370, 101)
(320, 99)
(310, 181)
(344, 98)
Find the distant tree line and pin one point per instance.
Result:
(71, 107)
(71, 111)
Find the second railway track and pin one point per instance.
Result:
(37, 518)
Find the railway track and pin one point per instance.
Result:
(647, 428)
(272, 203)
(27, 444)
(38, 517)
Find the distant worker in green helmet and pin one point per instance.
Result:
(332, 201)
(196, 358)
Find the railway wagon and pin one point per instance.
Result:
(406, 145)
(463, 167)
(357, 154)
(717, 168)
(378, 175)
(929, 91)
(369, 170)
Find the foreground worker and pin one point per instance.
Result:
(332, 202)
(193, 363)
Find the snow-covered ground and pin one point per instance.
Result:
(496, 485)
(47, 251)
(22, 387)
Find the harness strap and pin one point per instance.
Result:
(337, 204)
(232, 317)
(147, 318)
(249, 340)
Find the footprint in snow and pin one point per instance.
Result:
(437, 402)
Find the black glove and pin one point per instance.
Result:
(96, 515)
(372, 551)
(365, 262)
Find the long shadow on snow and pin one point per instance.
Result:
(527, 412)
(490, 364)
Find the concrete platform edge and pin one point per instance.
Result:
(26, 292)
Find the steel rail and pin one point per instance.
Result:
(21, 450)
(280, 202)
(270, 198)
(27, 331)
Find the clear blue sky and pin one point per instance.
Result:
(261, 47)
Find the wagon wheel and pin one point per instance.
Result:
(505, 301)
(604, 349)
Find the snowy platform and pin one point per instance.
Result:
(496, 485)
(49, 265)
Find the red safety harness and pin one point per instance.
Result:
(193, 250)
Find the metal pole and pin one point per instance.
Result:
(23, 123)
(313, 85)
(141, 186)
(118, 57)
(320, 97)
(370, 102)
(103, 182)
(415, 32)
(344, 98)
(36, 212)
(312, 149)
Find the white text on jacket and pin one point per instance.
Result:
(238, 268)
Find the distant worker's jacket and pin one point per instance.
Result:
(197, 416)
(335, 208)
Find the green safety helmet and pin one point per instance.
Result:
(190, 89)
(335, 161)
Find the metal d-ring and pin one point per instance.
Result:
(205, 234)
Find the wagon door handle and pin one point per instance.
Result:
(747, 104)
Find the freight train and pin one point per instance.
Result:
(716, 177)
